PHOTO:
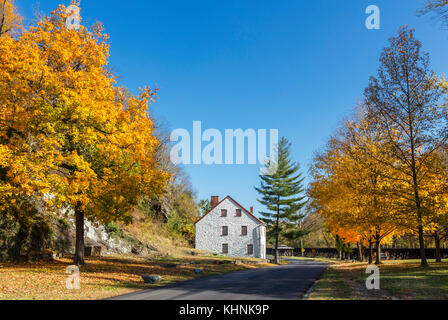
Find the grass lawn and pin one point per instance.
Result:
(101, 277)
(407, 280)
(398, 280)
(331, 287)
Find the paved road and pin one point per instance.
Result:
(288, 282)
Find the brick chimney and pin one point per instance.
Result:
(214, 201)
(252, 210)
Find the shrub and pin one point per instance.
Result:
(23, 232)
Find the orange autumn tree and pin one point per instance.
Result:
(95, 142)
(345, 238)
(366, 146)
(349, 188)
(334, 199)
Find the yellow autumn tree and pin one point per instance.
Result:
(25, 173)
(91, 144)
(10, 20)
(350, 187)
(22, 162)
(435, 199)
(404, 101)
(437, 192)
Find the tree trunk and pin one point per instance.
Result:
(79, 245)
(370, 251)
(360, 253)
(421, 240)
(437, 242)
(2, 23)
(277, 233)
(378, 251)
(363, 252)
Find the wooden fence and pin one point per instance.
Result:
(389, 253)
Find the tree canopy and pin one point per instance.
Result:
(70, 134)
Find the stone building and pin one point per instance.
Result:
(229, 229)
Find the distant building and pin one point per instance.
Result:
(283, 251)
(229, 229)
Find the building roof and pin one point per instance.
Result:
(244, 209)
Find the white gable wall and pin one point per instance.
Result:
(209, 232)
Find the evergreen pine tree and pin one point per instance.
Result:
(282, 194)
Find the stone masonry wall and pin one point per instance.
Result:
(209, 232)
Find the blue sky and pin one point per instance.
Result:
(299, 66)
